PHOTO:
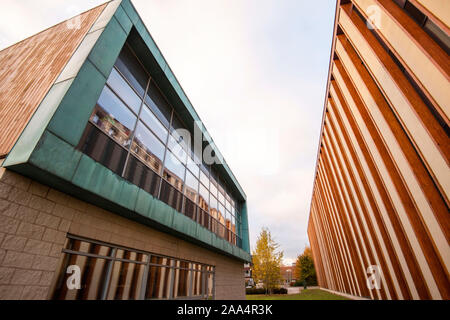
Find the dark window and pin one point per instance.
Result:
(142, 176)
(170, 195)
(130, 67)
(110, 272)
(158, 104)
(103, 149)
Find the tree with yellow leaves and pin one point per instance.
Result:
(267, 261)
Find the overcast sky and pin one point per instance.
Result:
(255, 71)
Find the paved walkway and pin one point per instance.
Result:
(296, 290)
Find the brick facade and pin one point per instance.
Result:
(34, 222)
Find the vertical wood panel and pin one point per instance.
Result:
(29, 68)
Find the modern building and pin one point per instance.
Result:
(379, 223)
(101, 195)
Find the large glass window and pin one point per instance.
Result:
(110, 272)
(153, 123)
(133, 132)
(124, 91)
(133, 71)
(191, 189)
(158, 104)
(148, 148)
(113, 117)
(174, 171)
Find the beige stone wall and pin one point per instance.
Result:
(34, 221)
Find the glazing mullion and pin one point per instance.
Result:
(135, 126)
(166, 146)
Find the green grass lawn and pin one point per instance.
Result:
(313, 294)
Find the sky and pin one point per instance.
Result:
(255, 71)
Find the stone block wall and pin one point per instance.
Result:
(35, 220)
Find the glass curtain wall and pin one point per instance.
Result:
(132, 131)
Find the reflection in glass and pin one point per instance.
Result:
(228, 205)
(192, 166)
(213, 188)
(204, 178)
(130, 67)
(142, 176)
(158, 104)
(126, 280)
(221, 198)
(113, 117)
(204, 198)
(181, 285)
(148, 148)
(153, 123)
(158, 281)
(124, 91)
(196, 280)
(102, 149)
(221, 213)
(191, 189)
(174, 171)
(177, 146)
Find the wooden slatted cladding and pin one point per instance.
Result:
(382, 184)
(29, 68)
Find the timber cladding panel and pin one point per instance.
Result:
(29, 68)
(381, 189)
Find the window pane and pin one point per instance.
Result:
(113, 117)
(204, 179)
(121, 87)
(213, 188)
(174, 170)
(181, 277)
(221, 213)
(227, 205)
(142, 176)
(147, 147)
(93, 271)
(176, 146)
(193, 167)
(153, 123)
(213, 206)
(126, 281)
(103, 149)
(221, 198)
(204, 198)
(133, 71)
(191, 187)
(158, 281)
(158, 104)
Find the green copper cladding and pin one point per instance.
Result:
(47, 151)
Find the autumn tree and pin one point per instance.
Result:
(267, 261)
(305, 272)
